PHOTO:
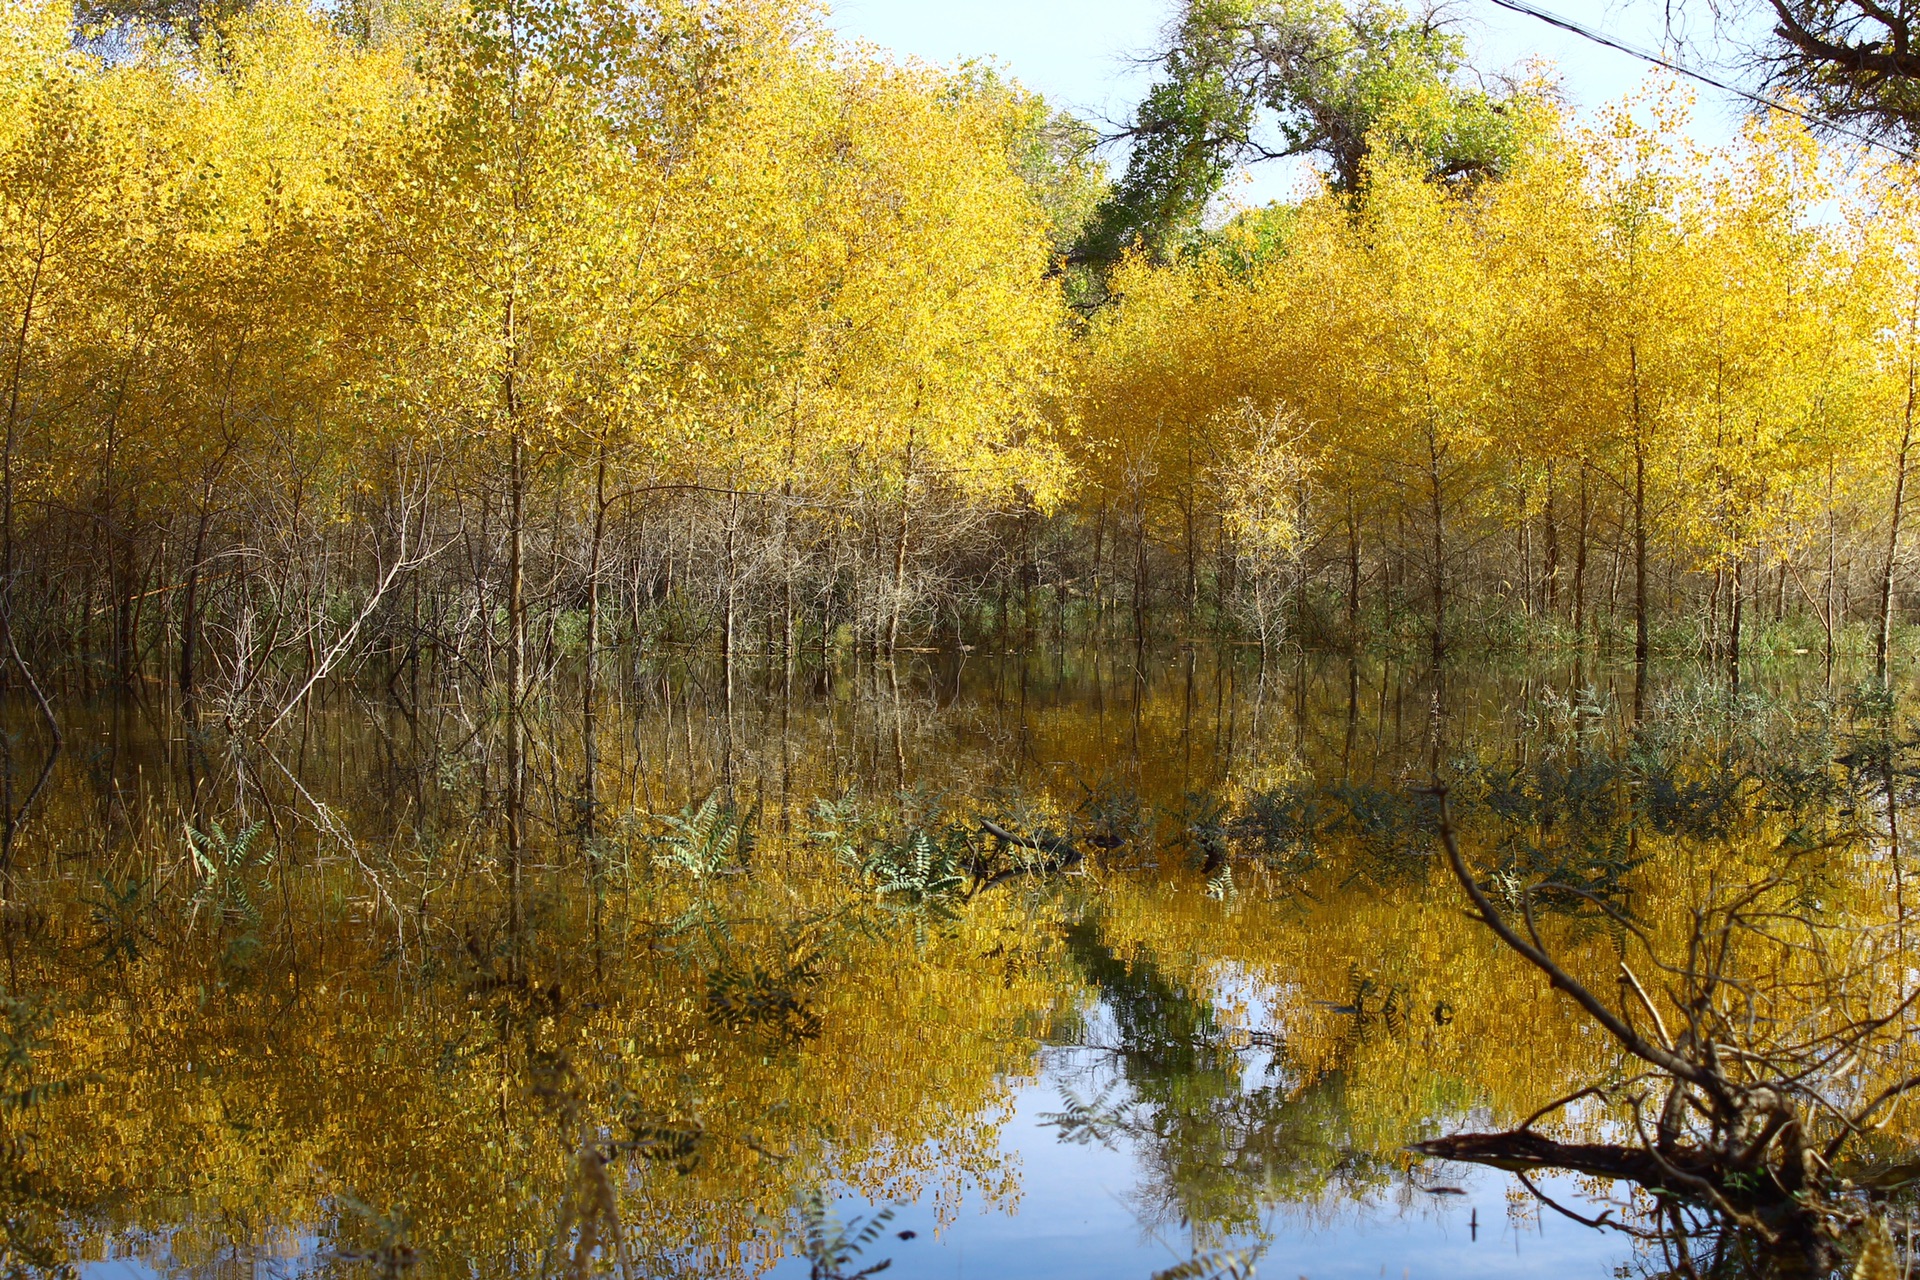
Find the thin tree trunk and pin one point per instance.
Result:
(1550, 571)
(126, 609)
(1099, 581)
(1883, 640)
(1735, 605)
(1140, 584)
(1713, 612)
(590, 682)
(516, 789)
(902, 535)
(1193, 568)
(7, 497)
(1827, 620)
(1439, 552)
(786, 578)
(1580, 562)
(728, 616)
(190, 604)
(1353, 578)
(1640, 644)
(1523, 539)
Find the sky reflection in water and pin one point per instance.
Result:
(1299, 1155)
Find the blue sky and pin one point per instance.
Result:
(1080, 53)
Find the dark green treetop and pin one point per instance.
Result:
(1250, 80)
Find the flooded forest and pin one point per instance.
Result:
(640, 640)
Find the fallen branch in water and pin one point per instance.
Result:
(1065, 857)
(1743, 1114)
(1524, 1151)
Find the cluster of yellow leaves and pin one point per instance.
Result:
(701, 240)
(1444, 355)
(223, 1117)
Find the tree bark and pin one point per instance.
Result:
(1640, 645)
(728, 612)
(1550, 571)
(190, 604)
(590, 681)
(902, 533)
(1736, 611)
(516, 780)
(8, 551)
(1580, 562)
(1140, 582)
(1099, 566)
(1827, 619)
(1439, 550)
(1883, 639)
(1353, 578)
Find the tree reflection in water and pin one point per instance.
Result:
(1205, 897)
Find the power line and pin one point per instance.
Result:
(1634, 51)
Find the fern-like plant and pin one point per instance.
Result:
(753, 996)
(833, 1246)
(225, 864)
(707, 839)
(919, 869)
(909, 857)
(1085, 1121)
(841, 826)
(1215, 1264)
(117, 915)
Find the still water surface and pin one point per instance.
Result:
(1105, 1072)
